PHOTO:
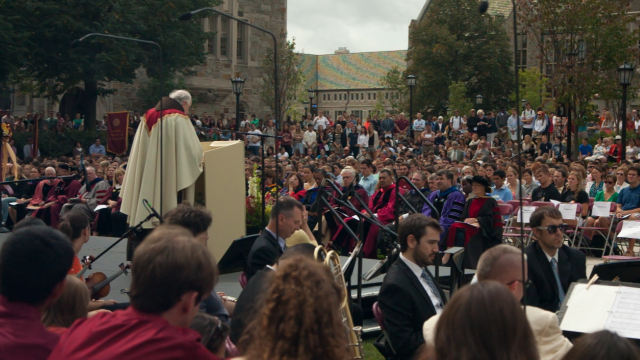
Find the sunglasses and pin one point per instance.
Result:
(608, 182)
(553, 228)
(526, 284)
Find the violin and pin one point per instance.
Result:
(86, 265)
(98, 282)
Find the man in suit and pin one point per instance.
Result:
(409, 294)
(552, 265)
(268, 246)
(503, 263)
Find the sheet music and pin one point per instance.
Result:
(624, 318)
(630, 230)
(568, 211)
(588, 309)
(601, 208)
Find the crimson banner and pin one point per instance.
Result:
(117, 132)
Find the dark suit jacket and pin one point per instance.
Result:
(249, 303)
(406, 306)
(265, 251)
(543, 291)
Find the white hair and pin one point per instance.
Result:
(50, 168)
(348, 170)
(480, 112)
(181, 96)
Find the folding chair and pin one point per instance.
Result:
(567, 235)
(506, 210)
(377, 314)
(542, 204)
(516, 203)
(243, 279)
(615, 238)
(513, 236)
(600, 230)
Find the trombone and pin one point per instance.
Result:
(354, 334)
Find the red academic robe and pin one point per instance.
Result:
(70, 191)
(381, 203)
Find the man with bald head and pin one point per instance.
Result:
(503, 263)
(94, 191)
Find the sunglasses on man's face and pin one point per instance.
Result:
(553, 228)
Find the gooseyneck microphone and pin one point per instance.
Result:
(153, 211)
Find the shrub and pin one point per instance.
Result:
(52, 144)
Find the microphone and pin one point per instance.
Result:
(484, 6)
(153, 211)
(75, 43)
(186, 16)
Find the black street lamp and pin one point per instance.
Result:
(625, 73)
(306, 107)
(411, 83)
(312, 94)
(479, 100)
(238, 85)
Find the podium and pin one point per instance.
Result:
(221, 190)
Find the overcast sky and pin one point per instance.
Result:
(320, 27)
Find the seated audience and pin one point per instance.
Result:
(448, 200)
(603, 345)
(90, 195)
(34, 262)
(552, 265)
(171, 274)
(483, 321)
(296, 323)
(409, 294)
(267, 249)
(382, 204)
(547, 190)
(501, 190)
(213, 333)
(503, 263)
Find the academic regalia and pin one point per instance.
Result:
(381, 203)
(70, 190)
(338, 235)
(477, 239)
(450, 204)
(182, 165)
(54, 189)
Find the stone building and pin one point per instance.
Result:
(233, 48)
(350, 82)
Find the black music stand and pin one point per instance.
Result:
(626, 271)
(235, 259)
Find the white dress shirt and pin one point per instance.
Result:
(417, 270)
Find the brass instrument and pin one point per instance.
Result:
(354, 334)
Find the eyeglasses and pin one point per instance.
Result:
(553, 228)
(526, 284)
(609, 182)
(620, 174)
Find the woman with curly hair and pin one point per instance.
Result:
(295, 323)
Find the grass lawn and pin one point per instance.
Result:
(370, 351)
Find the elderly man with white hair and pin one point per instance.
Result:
(93, 192)
(165, 160)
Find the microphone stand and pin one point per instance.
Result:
(125, 235)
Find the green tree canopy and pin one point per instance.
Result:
(533, 88)
(49, 66)
(454, 43)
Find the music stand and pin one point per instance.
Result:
(626, 271)
(235, 259)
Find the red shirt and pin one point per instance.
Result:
(22, 335)
(402, 124)
(129, 334)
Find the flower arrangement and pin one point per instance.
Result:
(254, 201)
(6, 131)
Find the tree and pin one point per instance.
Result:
(533, 88)
(581, 43)
(453, 43)
(50, 67)
(289, 78)
(458, 98)
(394, 81)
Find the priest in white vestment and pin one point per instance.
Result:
(181, 160)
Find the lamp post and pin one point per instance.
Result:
(312, 94)
(625, 73)
(306, 107)
(238, 85)
(479, 100)
(411, 83)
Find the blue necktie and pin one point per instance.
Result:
(554, 267)
(433, 287)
